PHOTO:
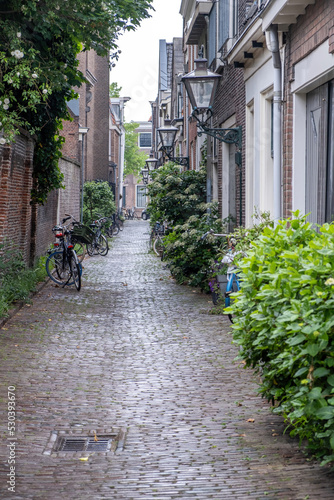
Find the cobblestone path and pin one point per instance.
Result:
(136, 357)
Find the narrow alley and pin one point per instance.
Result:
(137, 364)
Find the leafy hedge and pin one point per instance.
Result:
(284, 323)
(179, 197)
(176, 195)
(98, 201)
(190, 258)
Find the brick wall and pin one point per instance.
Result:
(15, 186)
(94, 114)
(230, 100)
(69, 198)
(311, 30)
(98, 120)
(71, 147)
(22, 225)
(46, 218)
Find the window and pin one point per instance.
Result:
(141, 197)
(319, 154)
(228, 21)
(145, 140)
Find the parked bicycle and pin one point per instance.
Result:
(226, 286)
(157, 239)
(62, 265)
(114, 228)
(130, 214)
(99, 244)
(81, 235)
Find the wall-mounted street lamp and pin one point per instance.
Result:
(201, 85)
(146, 175)
(82, 133)
(152, 164)
(167, 135)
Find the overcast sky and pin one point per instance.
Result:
(137, 69)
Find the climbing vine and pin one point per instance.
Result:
(39, 44)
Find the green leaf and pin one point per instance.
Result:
(301, 371)
(330, 380)
(298, 339)
(320, 372)
(313, 349)
(331, 441)
(325, 413)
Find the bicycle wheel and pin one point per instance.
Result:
(80, 249)
(92, 248)
(57, 268)
(158, 246)
(115, 229)
(75, 271)
(102, 245)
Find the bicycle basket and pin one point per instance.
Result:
(82, 233)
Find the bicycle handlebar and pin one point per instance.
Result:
(215, 234)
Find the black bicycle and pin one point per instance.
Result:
(99, 244)
(62, 265)
(114, 227)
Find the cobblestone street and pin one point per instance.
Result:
(139, 358)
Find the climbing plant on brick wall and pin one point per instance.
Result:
(39, 42)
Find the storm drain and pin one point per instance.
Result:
(83, 444)
(99, 442)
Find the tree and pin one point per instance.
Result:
(98, 201)
(39, 42)
(134, 159)
(114, 90)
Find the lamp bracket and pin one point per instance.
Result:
(179, 160)
(228, 135)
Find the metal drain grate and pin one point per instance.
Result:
(83, 444)
(102, 442)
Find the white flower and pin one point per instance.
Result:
(0, 103)
(5, 106)
(45, 91)
(2, 141)
(34, 75)
(18, 35)
(6, 101)
(18, 54)
(10, 81)
(330, 281)
(17, 74)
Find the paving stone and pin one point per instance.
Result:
(135, 351)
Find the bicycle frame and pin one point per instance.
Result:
(62, 265)
(99, 238)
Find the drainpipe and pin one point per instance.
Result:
(273, 46)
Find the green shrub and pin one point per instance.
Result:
(190, 258)
(98, 201)
(17, 280)
(284, 324)
(176, 195)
